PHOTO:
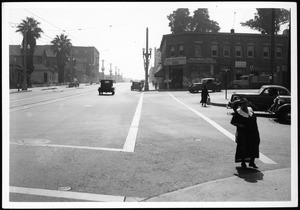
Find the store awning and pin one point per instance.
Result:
(160, 72)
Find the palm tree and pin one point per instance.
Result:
(62, 48)
(31, 31)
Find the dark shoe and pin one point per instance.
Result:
(252, 165)
(244, 165)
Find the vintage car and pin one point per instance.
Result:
(106, 86)
(75, 83)
(136, 86)
(281, 108)
(211, 84)
(263, 99)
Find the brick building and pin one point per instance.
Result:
(189, 57)
(83, 63)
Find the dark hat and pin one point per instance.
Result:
(243, 101)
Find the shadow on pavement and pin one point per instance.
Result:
(249, 174)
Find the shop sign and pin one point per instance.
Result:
(201, 60)
(175, 61)
(240, 64)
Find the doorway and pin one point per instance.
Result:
(176, 76)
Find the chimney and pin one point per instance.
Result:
(232, 31)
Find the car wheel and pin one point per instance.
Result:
(285, 116)
(113, 93)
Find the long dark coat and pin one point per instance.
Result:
(247, 138)
(204, 95)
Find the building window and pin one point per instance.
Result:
(250, 51)
(279, 52)
(180, 49)
(198, 50)
(238, 51)
(172, 51)
(226, 51)
(214, 50)
(266, 52)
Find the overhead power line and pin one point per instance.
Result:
(54, 26)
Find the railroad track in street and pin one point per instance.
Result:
(28, 103)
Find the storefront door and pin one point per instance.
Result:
(176, 76)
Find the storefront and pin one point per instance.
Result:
(200, 68)
(175, 73)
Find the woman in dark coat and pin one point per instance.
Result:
(204, 95)
(247, 135)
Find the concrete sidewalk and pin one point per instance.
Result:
(248, 185)
(52, 87)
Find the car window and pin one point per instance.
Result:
(283, 92)
(266, 91)
(273, 92)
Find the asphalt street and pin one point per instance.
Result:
(272, 184)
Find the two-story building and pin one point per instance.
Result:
(82, 64)
(188, 57)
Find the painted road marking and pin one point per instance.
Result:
(71, 195)
(69, 146)
(231, 136)
(132, 134)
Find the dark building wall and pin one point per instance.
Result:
(212, 60)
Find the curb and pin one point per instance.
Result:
(273, 186)
(218, 104)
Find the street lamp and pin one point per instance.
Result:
(146, 56)
(226, 78)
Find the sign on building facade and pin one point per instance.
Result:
(175, 61)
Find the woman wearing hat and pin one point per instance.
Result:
(247, 134)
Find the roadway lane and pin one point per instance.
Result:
(175, 148)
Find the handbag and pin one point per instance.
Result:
(208, 100)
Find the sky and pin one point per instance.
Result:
(118, 29)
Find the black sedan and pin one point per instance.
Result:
(263, 99)
(210, 83)
(281, 108)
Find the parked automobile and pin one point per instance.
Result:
(137, 86)
(263, 99)
(75, 83)
(211, 84)
(106, 86)
(281, 108)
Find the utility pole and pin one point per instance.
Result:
(272, 60)
(146, 61)
(110, 71)
(24, 86)
(102, 69)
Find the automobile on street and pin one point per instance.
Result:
(106, 86)
(263, 99)
(281, 108)
(210, 83)
(136, 86)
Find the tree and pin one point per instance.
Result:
(262, 20)
(180, 20)
(31, 31)
(202, 23)
(61, 46)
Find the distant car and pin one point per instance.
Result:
(211, 84)
(74, 84)
(106, 86)
(281, 108)
(263, 99)
(136, 86)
